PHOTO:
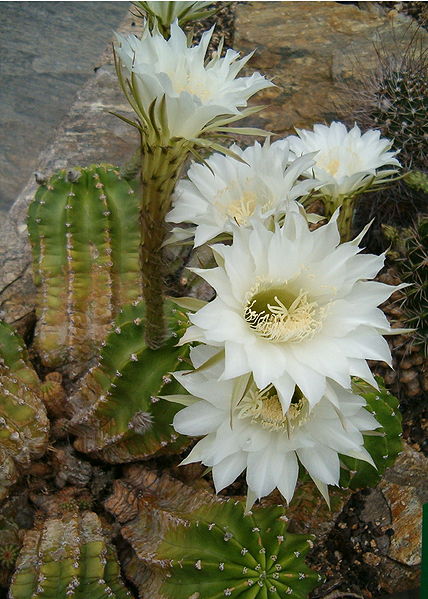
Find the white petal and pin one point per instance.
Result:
(228, 470)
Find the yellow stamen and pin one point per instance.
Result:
(265, 409)
(276, 322)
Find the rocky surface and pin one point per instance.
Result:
(48, 51)
(88, 134)
(308, 49)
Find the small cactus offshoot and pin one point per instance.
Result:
(120, 415)
(384, 448)
(23, 421)
(68, 557)
(84, 232)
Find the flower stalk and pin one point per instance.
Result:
(161, 167)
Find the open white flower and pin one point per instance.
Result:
(189, 94)
(293, 307)
(224, 191)
(257, 436)
(346, 161)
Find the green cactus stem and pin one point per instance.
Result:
(65, 558)
(161, 167)
(83, 227)
(385, 448)
(23, 421)
(120, 417)
(346, 215)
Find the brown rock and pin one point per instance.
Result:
(406, 512)
(306, 48)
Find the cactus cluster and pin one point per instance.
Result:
(120, 416)
(383, 447)
(68, 557)
(23, 420)
(84, 233)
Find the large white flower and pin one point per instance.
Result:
(225, 191)
(257, 436)
(293, 307)
(195, 93)
(346, 161)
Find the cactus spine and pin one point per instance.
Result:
(23, 421)
(120, 417)
(85, 240)
(65, 558)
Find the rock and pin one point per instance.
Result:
(406, 512)
(89, 134)
(306, 48)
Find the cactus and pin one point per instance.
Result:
(393, 98)
(121, 417)
(23, 421)
(417, 180)
(84, 232)
(226, 553)
(414, 270)
(383, 449)
(191, 543)
(65, 558)
(10, 544)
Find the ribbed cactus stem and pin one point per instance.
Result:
(346, 214)
(161, 167)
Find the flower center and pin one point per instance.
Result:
(264, 408)
(278, 315)
(187, 82)
(240, 204)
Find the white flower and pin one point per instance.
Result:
(293, 307)
(346, 162)
(195, 93)
(257, 436)
(226, 191)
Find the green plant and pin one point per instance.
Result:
(68, 557)
(227, 553)
(384, 447)
(23, 422)
(120, 417)
(84, 232)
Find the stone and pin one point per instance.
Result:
(306, 48)
(89, 134)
